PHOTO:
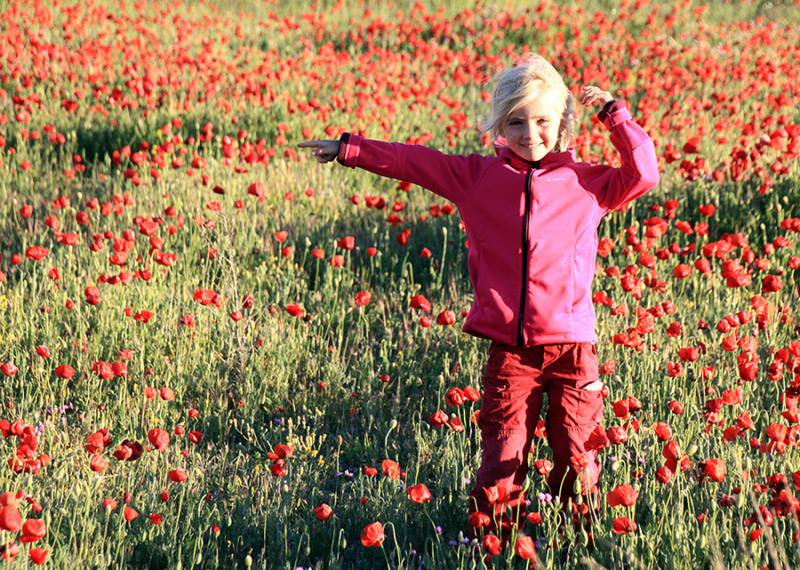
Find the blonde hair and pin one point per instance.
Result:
(523, 83)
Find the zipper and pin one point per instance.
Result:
(526, 220)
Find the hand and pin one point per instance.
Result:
(324, 151)
(591, 95)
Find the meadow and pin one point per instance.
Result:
(216, 353)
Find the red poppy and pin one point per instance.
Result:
(391, 469)
(295, 310)
(178, 475)
(455, 396)
(525, 548)
(32, 530)
(10, 519)
(622, 494)
(438, 418)
(419, 493)
(38, 555)
(715, 469)
(348, 243)
(662, 431)
(478, 519)
(372, 535)
(623, 525)
(155, 518)
(535, 519)
(497, 494)
(491, 544)
(446, 318)
(167, 394)
(9, 368)
(617, 435)
(158, 438)
(130, 514)
(420, 302)
(98, 463)
(597, 440)
(363, 298)
(195, 436)
(36, 252)
(323, 512)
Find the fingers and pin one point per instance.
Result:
(591, 95)
(322, 150)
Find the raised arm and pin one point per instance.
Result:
(639, 170)
(450, 176)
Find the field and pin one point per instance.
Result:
(215, 352)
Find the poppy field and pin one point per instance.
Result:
(217, 353)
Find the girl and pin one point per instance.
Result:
(531, 215)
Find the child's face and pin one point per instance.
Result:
(532, 130)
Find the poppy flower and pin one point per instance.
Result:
(478, 519)
(455, 396)
(38, 555)
(178, 475)
(323, 512)
(491, 544)
(497, 494)
(419, 493)
(195, 436)
(597, 440)
(130, 514)
(622, 494)
(167, 394)
(370, 471)
(391, 469)
(446, 318)
(158, 438)
(372, 535)
(9, 368)
(662, 431)
(10, 519)
(664, 474)
(421, 303)
(525, 548)
(363, 298)
(617, 435)
(472, 394)
(155, 518)
(438, 418)
(623, 525)
(535, 519)
(36, 252)
(715, 469)
(32, 530)
(98, 463)
(295, 310)
(348, 243)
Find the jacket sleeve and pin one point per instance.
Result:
(639, 170)
(451, 176)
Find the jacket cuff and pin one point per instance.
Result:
(614, 113)
(349, 149)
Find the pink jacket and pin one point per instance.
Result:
(532, 229)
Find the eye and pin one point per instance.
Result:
(544, 121)
(514, 122)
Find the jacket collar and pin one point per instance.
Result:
(550, 160)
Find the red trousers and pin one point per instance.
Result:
(515, 381)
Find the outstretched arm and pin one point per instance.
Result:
(450, 176)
